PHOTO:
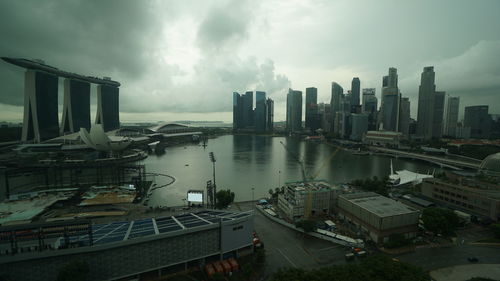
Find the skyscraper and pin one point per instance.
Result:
(451, 116)
(41, 121)
(247, 109)
(294, 111)
(355, 91)
(359, 126)
(430, 106)
(260, 111)
(312, 118)
(237, 111)
(108, 108)
(478, 120)
(404, 117)
(269, 115)
(389, 108)
(370, 105)
(437, 114)
(76, 108)
(337, 94)
(325, 117)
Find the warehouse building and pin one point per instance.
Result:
(377, 216)
(124, 249)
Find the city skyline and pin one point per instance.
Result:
(180, 63)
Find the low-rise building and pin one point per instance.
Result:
(475, 199)
(304, 199)
(378, 216)
(382, 138)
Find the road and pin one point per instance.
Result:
(287, 248)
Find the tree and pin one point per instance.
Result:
(496, 229)
(224, 198)
(306, 225)
(441, 221)
(77, 270)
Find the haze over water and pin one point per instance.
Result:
(244, 162)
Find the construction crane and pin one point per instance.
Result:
(309, 195)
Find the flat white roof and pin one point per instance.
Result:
(378, 204)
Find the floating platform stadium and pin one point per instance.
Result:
(122, 249)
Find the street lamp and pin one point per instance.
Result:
(213, 160)
(253, 188)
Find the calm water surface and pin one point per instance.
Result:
(246, 162)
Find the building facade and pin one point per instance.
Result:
(451, 116)
(377, 216)
(189, 239)
(478, 120)
(237, 111)
(269, 115)
(312, 116)
(370, 107)
(355, 91)
(76, 108)
(260, 111)
(41, 120)
(430, 106)
(359, 126)
(306, 199)
(248, 112)
(474, 200)
(404, 117)
(108, 107)
(389, 108)
(294, 111)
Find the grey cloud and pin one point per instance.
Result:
(101, 38)
(225, 25)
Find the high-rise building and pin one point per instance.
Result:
(478, 120)
(312, 117)
(370, 104)
(359, 126)
(355, 91)
(389, 108)
(260, 111)
(76, 108)
(430, 106)
(437, 115)
(237, 111)
(325, 116)
(248, 110)
(404, 117)
(451, 116)
(294, 111)
(337, 95)
(41, 120)
(108, 108)
(269, 115)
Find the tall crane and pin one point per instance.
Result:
(308, 201)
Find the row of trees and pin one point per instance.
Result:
(374, 184)
(374, 268)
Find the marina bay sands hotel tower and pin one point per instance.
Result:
(41, 101)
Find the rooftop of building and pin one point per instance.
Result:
(319, 185)
(378, 204)
(491, 164)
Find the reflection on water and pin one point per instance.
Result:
(244, 162)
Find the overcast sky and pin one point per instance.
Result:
(181, 60)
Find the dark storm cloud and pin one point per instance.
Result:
(102, 38)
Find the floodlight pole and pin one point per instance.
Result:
(213, 160)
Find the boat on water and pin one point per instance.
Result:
(405, 177)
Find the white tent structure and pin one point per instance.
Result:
(403, 177)
(98, 139)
